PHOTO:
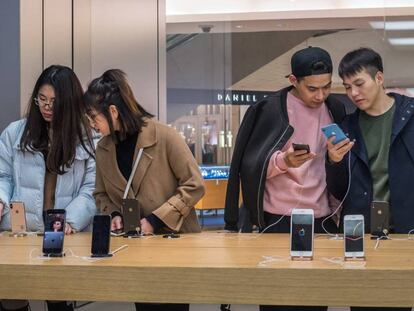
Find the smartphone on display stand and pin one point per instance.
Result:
(54, 233)
(354, 230)
(101, 236)
(18, 218)
(380, 219)
(334, 130)
(131, 217)
(301, 233)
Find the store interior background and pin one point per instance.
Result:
(220, 63)
(196, 66)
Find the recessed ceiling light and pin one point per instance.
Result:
(401, 25)
(239, 26)
(401, 41)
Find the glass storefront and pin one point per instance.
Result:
(216, 70)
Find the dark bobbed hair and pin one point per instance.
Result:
(112, 88)
(359, 60)
(69, 126)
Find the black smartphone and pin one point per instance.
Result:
(131, 216)
(297, 147)
(380, 218)
(101, 236)
(54, 233)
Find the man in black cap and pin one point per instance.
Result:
(274, 177)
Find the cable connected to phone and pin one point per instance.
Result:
(344, 263)
(42, 257)
(119, 249)
(94, 259)
(343, 199)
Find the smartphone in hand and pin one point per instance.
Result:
(297, 147)
(334, 130)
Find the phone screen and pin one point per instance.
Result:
(54, 231)
(354, 235)
(302, 233)
(101, 234)
(55, 221)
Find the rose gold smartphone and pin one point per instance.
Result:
(18, 217)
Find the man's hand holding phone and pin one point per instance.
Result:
(336, 152)
(296, 158)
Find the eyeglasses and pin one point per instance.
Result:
(91, 118)
(43, 102)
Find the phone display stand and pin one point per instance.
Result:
(383, 235)
(17, 234)
(101, 255)
(132, 234)
(301, 258)
(54, 255)
(171, 236)
(336, 237)
(354, 258)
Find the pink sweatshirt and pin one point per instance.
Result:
(305, 186)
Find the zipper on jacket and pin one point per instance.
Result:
(261, 175)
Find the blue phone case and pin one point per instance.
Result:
(334, 130)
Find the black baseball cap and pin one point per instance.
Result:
(311, 61)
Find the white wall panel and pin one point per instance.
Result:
(124, 35)
(57, 32)
(30, 48)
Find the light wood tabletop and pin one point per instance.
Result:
(210, 267)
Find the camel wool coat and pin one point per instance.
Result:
(167, 182)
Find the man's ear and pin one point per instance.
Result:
(114, 112)
(379, 78)
(293, 80)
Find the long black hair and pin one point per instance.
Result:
(69, 126)
(112, 88)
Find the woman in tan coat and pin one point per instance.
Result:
(167, 183)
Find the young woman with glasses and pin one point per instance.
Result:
(47, 160)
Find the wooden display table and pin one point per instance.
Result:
(210, 268)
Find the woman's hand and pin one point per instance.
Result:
(146, 227)
(69, 229)
(116, 223)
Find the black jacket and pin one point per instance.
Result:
(265, 129)
(400, 169)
